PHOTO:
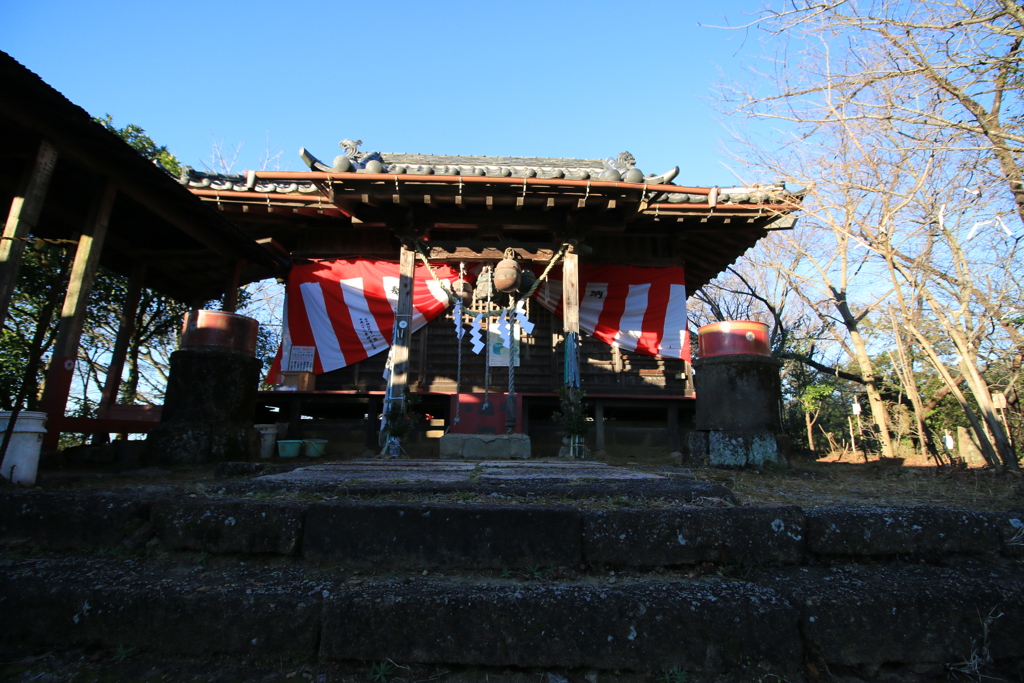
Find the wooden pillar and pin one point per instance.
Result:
(688, 373)
(72, 318)
(125, 330)
(21, 220)
(571, 292)
(231, 290)
(403, 328)
(599, 427)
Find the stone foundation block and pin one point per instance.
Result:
(923, 531)
(485, 447)
(70, 519)
(669, 537)
(249, 612)
(706, 626)
(861, 615)
(743, 449)
(395, 535)
(230, 526)
(202, 442)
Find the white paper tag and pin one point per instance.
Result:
(301, 359)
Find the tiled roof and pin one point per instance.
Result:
(615, 169)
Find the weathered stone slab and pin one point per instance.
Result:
(71, 519)
(707, 626)
(229, 526)
(871, 615)
(132, 604)
(742, 449)
(923, 530)
(485, 447)
(399, 535)
(669, 537)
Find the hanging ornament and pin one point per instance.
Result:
(484, 287)
(476, 334)
(521, 319)
(457, 316)
(526, 280)
(464, 291)
(506, 275)
(505, 329)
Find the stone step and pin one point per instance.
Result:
(426, 535)
(741, 627)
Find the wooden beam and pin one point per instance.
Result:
(112, 384)
(21, 219)
(483, 251)
(69, 332)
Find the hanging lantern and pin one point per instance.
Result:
(506, 276)
(484, 288)
(526, 280)
(464, 291)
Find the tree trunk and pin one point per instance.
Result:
(878, 412)
(810, 430)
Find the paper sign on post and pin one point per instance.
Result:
(301, 359)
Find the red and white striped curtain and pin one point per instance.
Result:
(346, 309)
(640, 310)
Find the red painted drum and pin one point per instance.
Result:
(733, 337)
(219, 330)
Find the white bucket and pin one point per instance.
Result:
(21, 463)
(268, 440)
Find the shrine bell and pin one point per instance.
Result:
(484, 289)
(507, 275)
(526, 280)
(464, 291)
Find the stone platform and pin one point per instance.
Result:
(571, 479)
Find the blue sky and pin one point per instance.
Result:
(565, 78)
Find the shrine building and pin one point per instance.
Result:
(377, 248)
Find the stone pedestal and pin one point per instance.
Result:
(208, 409)
(485, 447)
(738, 411)
(725, 448)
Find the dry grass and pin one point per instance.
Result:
(874, 484)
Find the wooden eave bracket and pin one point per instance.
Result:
(782, 223)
